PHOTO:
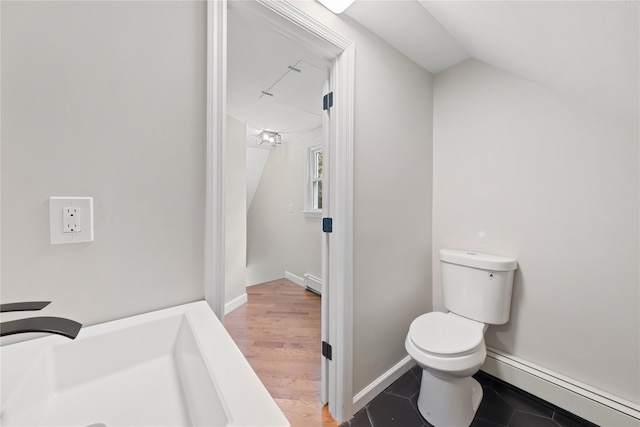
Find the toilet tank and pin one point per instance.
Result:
(477, 286)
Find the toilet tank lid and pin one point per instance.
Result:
(478, 260)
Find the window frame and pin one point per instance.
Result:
(311, 179)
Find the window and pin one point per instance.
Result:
(313, 192)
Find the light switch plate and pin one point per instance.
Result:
(58, 223)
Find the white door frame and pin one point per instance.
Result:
(338, 271)
(214, 247)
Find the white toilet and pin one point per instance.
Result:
(449, 347)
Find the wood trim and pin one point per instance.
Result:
(235, 303)
(294, 278)
(214, 252)
(339, 50)
(585, 401)
(367, 394)
(341, 240)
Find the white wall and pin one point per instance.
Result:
(235, 209)
(279, 236)
(522, 171)
(104, 99)
(392, 197)
(256, 161)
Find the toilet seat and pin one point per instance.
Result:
(446, 335)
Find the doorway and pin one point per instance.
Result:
(274, 93)
(338, 130)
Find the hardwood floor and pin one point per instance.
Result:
(278, 331)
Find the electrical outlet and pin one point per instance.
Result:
(71, 219)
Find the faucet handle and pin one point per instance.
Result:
(24, 306)
(53, 325)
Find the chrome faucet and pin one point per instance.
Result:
(48, 324)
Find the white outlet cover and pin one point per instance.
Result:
(56, 206)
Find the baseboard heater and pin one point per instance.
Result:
(313, 283)
(585, 401)
(580, 399)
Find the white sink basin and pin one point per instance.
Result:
(174, 367)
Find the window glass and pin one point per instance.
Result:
(313, 196)
(317, 183)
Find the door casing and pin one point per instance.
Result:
(337, 325)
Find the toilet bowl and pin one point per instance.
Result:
(450, 347)
(447, 343)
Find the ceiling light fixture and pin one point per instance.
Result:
(336, 6)
(269, 139)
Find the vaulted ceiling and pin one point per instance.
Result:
(273, 84)
(588, 50)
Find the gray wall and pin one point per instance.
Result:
(279, 236)
(235, 209)
(392, 197)
(522, 171)
(104, 99)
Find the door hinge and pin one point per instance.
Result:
(326, 350)
(327, 225)
(327, 101)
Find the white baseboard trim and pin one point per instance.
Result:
(367, 394)
(235, 303)
(585, 401)
(295, 279)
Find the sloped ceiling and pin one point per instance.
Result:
(272, 83)
(262, 60)
(589, 50)
(410, 28)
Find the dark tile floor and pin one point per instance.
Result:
(502, 406)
